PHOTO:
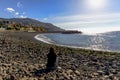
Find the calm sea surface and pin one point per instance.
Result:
(105, 41)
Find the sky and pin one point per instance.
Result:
(85, 15)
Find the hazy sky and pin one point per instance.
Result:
(68, 14)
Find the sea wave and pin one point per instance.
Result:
(44, 39)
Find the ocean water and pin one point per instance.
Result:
(105, 41)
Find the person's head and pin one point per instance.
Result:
(52, 50)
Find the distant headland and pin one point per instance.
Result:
(31, 25)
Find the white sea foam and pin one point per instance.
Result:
(43, 38)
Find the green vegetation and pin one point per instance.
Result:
(19, 27)
(27, 24)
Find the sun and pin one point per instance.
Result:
(95, 4)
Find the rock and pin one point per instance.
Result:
(42, 78)
(69, 71)
(10, 77)
(113, 71)
(42, 65)
(1, 78)
(66, 76)
(33, 79)
(61, 78)
(77, 72)
(113, 78)
(25, 78)
(1, 69)
(72, 77)
(96, 74)
(29, 78)
(59, 67)
(107, 72)
(1, 56)
(106, 76)
(100, 72)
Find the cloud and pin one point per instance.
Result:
(16, 13)
(19, 5)
(22, 16)
(88, 22)
(10, 10)
(44, 19)
(37, 19)
(85, 19)
(90, 18)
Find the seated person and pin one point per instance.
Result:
(51, 61)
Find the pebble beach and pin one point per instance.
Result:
(22, 57)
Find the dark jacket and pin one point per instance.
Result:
(51, 62)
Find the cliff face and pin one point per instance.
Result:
(29, 23)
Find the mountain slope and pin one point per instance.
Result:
(33, 23)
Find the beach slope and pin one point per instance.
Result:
(22, 57)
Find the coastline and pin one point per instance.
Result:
(25, 58)
(43, 38)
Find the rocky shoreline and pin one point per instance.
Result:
(24, 58)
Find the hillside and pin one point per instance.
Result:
(27, 22)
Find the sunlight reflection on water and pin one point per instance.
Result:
(96, 30)
(106, 41)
